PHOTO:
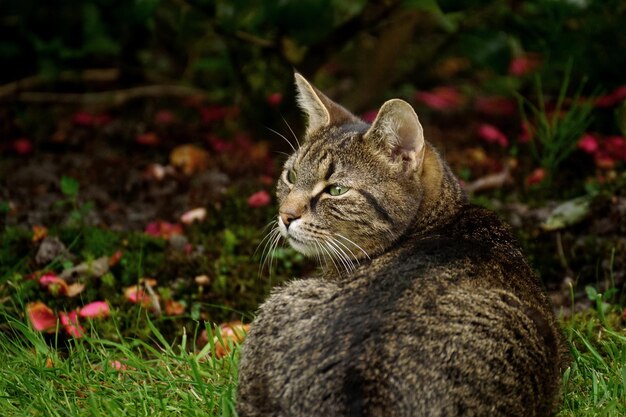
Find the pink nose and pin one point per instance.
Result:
(287, 216)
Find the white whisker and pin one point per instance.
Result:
(324, 247)
(336, 241)
(291, 130)
(341, 256)
(357, 246)
(282, 136)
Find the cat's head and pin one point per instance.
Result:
(351, 189)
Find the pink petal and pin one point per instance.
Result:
(496, 106)
(616, 147)
(101, 119)
(259, 199)
(274, 99)
(524, 64)
(53, 283)
(68, 319)
(614, 97)
(75, 330)
(164, 117)
(219, 145)
(148, 139)
(492, 134)
(118, 366)
(95, 310)
(536, 176)
(369, 116)
(214, 113)
(197, 214)
(441, 98)
(82, 118)
(163, 229)
(526, 133)
(588, 143)
(41, 316)
(22, 146)
(71, 325)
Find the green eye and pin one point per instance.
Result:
(336, 190)
(291, 176)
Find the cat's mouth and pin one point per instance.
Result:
(302, 246)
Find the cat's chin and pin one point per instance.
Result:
(302, 247)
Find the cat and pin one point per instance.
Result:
(425, 305)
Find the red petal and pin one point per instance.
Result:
(275, 99)
(492, 134)
(259, 199)
(41, 316)
(96, 309)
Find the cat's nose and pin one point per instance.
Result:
(289, 215)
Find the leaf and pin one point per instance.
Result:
(96, 268)
(69, 186)
(568, 213)
(592, 294)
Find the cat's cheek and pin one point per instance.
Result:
(282, 227)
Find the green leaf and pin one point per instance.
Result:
(69, 186)
(592, 294)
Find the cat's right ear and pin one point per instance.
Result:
(398, 130)
(320, 110)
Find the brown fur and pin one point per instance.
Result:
(442, 317)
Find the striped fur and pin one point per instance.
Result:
(425, 305)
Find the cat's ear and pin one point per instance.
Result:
(398, 130)
(320, 110)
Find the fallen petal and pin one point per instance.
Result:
(588, 143)
(74, 289)
(41, 317)
(274, 99)
(138, 296)
(164, 117)
(39, 233)
(492, 134)
(148, 139)
(174, 308)
(22, 146)
(54, 284)
(234, 332)
(118, 366)
(115, 258)
(95, 310)
(189, 159)
(441, 98)
(524, 64)
(197, 214)
(259, 199)
(536, 176)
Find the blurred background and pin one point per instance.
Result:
(150, 130)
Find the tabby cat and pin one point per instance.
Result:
(425, 305)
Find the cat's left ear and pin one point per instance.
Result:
(398, 130)
(320, 110)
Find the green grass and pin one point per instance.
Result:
(42, 376)
(78, 379)
(595, 383)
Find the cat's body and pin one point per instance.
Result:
(443, 317)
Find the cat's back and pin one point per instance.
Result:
(421, 330)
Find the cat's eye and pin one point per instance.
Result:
(336, 190)
(291, 176)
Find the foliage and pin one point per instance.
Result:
(103, 377)
(557, 131)
(460, 63)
